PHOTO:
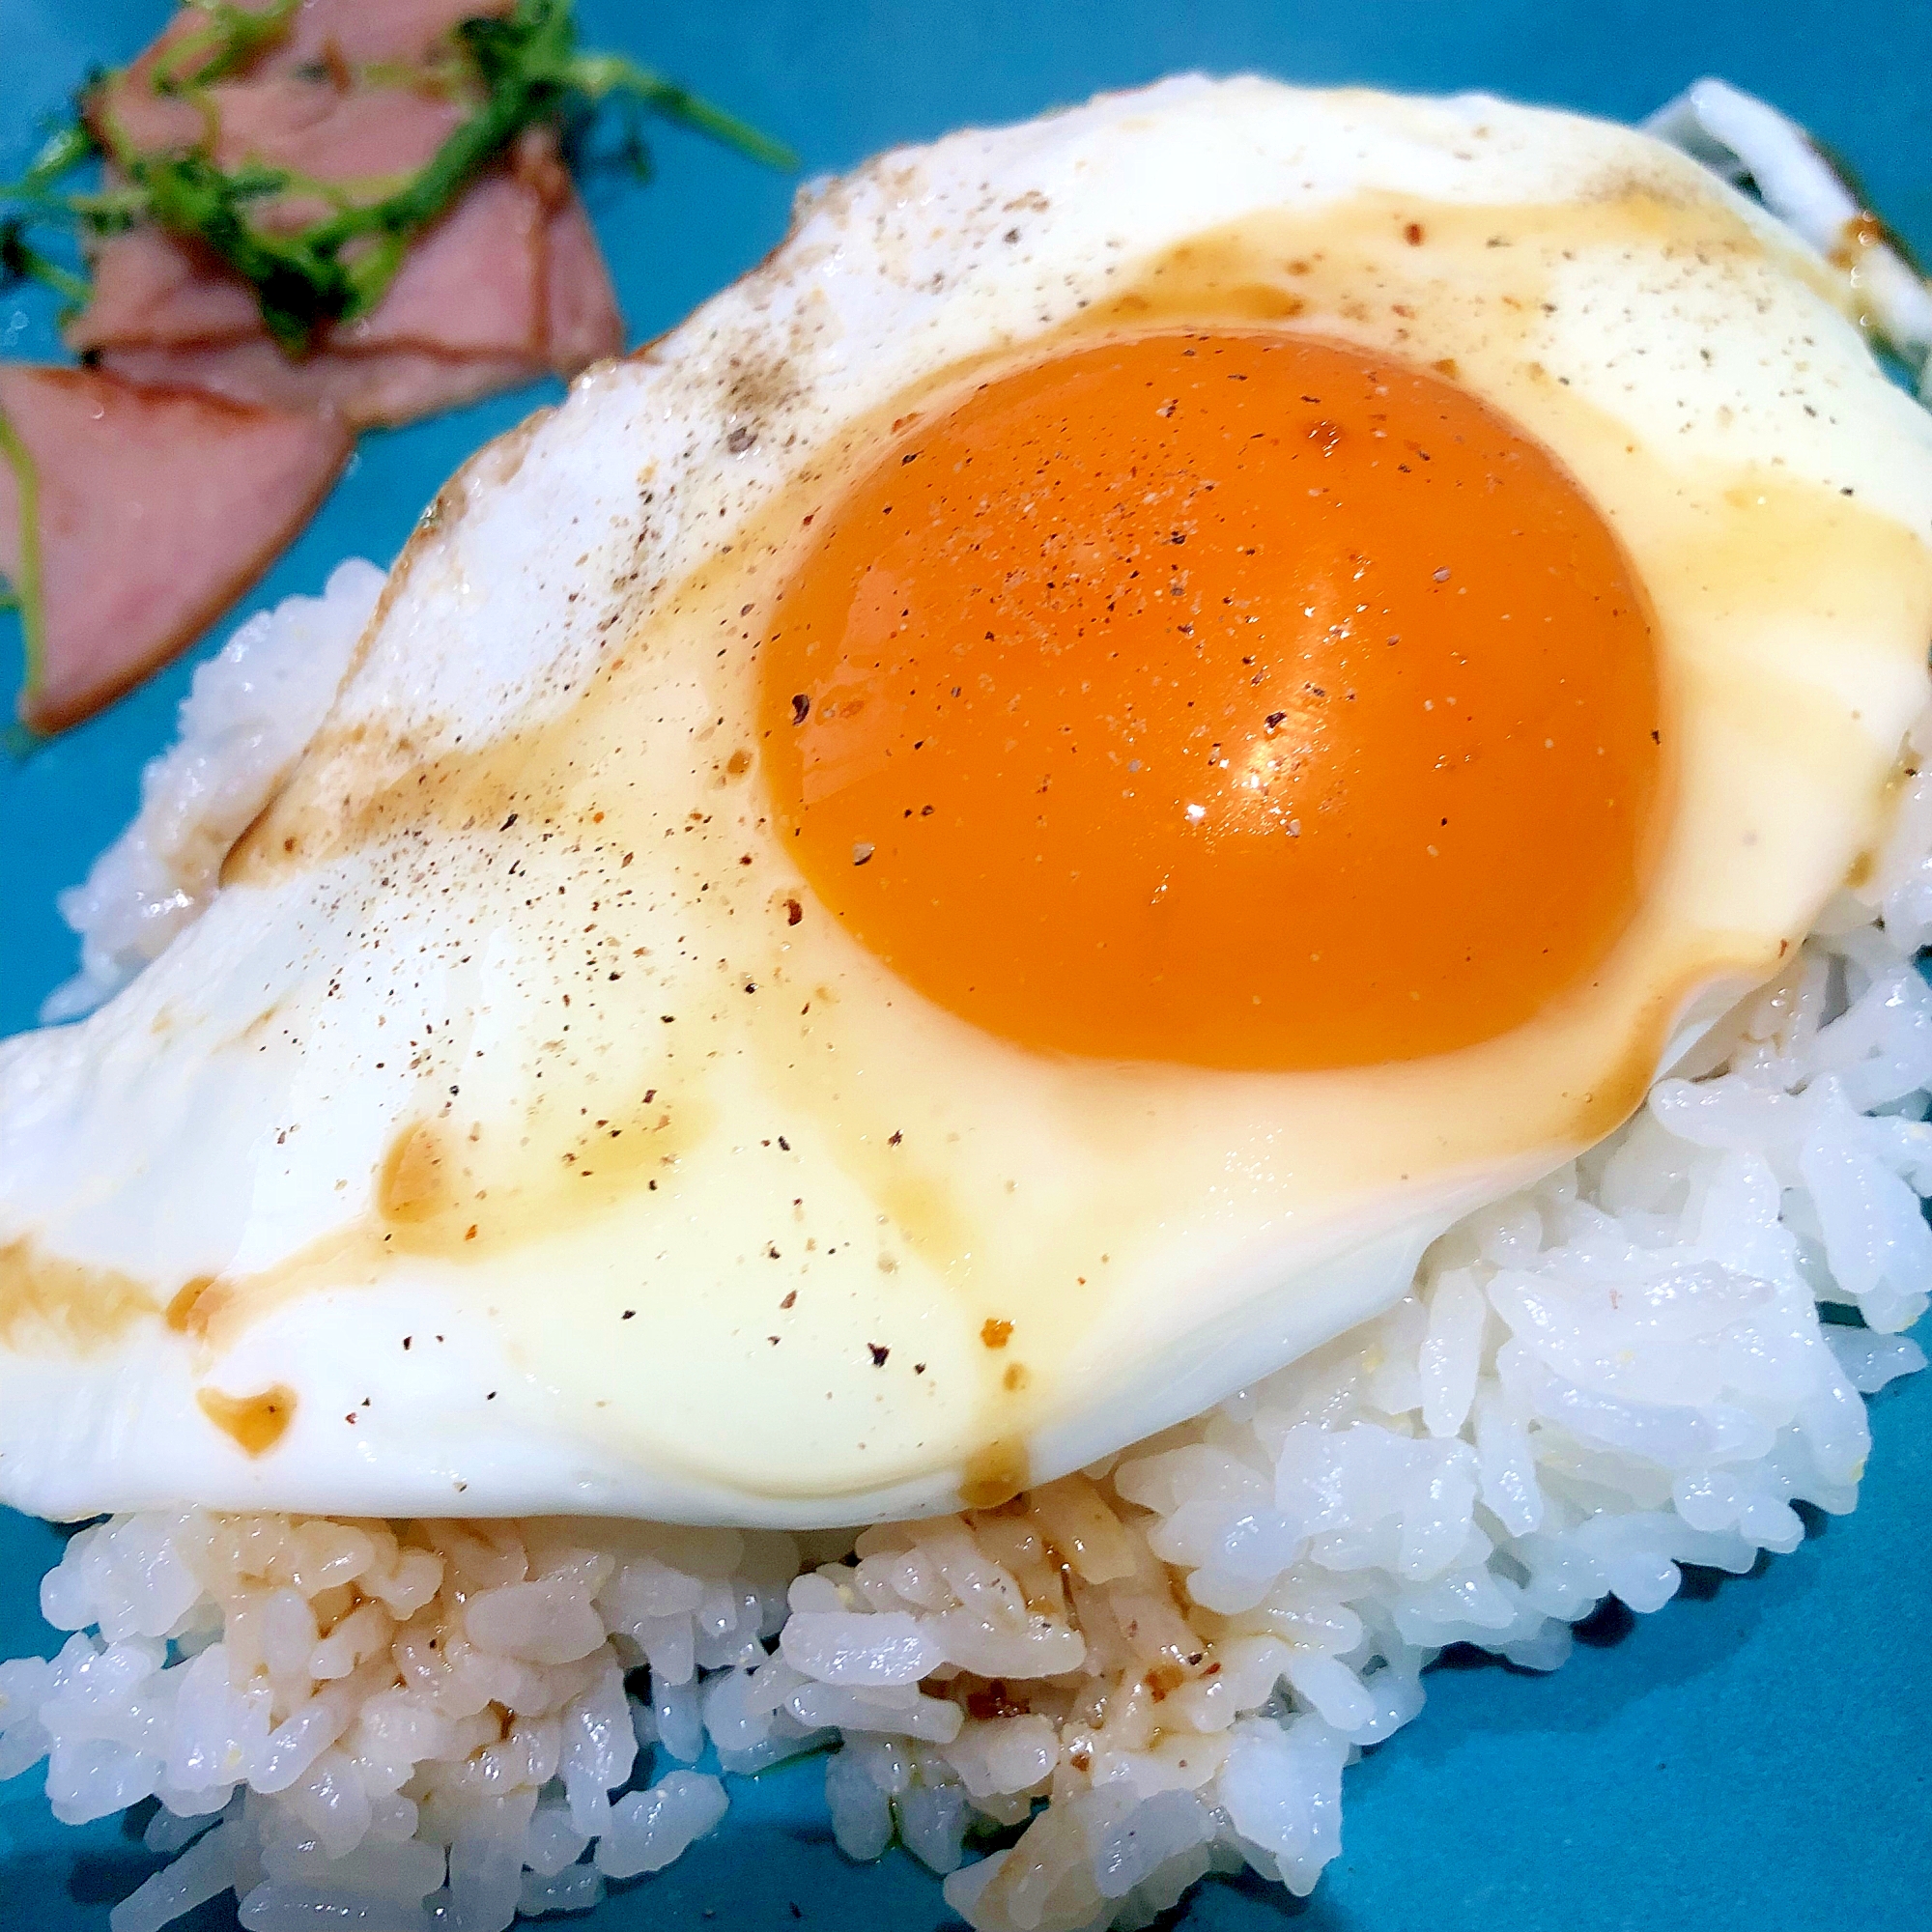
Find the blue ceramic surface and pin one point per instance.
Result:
(1752, 1757)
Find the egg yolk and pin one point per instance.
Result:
(1238, 699)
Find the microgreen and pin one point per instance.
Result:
(519, 70)
(232, 38)
(21, 262)
(23, 592)
(509, 72)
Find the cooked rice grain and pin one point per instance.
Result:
(248, 713)
(1613, 1374)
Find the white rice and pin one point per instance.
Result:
(249, 711)
(1618, 1372)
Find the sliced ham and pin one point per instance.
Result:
(178, 465)
(313, 128)
(151, 288)
(334, 39)
(157, 507)
(469, 287)
(499, 293)
(508, 286)
(580, 316)
(356, 34)
(397, 386)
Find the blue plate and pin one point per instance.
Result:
(1753, 1757)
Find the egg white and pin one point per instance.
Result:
(514, 951)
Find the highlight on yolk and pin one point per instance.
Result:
(1238, 699)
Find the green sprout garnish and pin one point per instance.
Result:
(517, 71)
(21, 262)
(226, 46)
(69, 144)
(510, 73)
(23, 593)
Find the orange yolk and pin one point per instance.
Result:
(1236, 700)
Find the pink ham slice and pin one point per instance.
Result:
(503, 290)
(508, 286)
(158, 509)
(175, 468)
(581, 317)
(358, 34)
(467, 315)
(332, 37)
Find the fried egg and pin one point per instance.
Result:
(983, 843)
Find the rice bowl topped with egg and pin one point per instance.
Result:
(1185, 867)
